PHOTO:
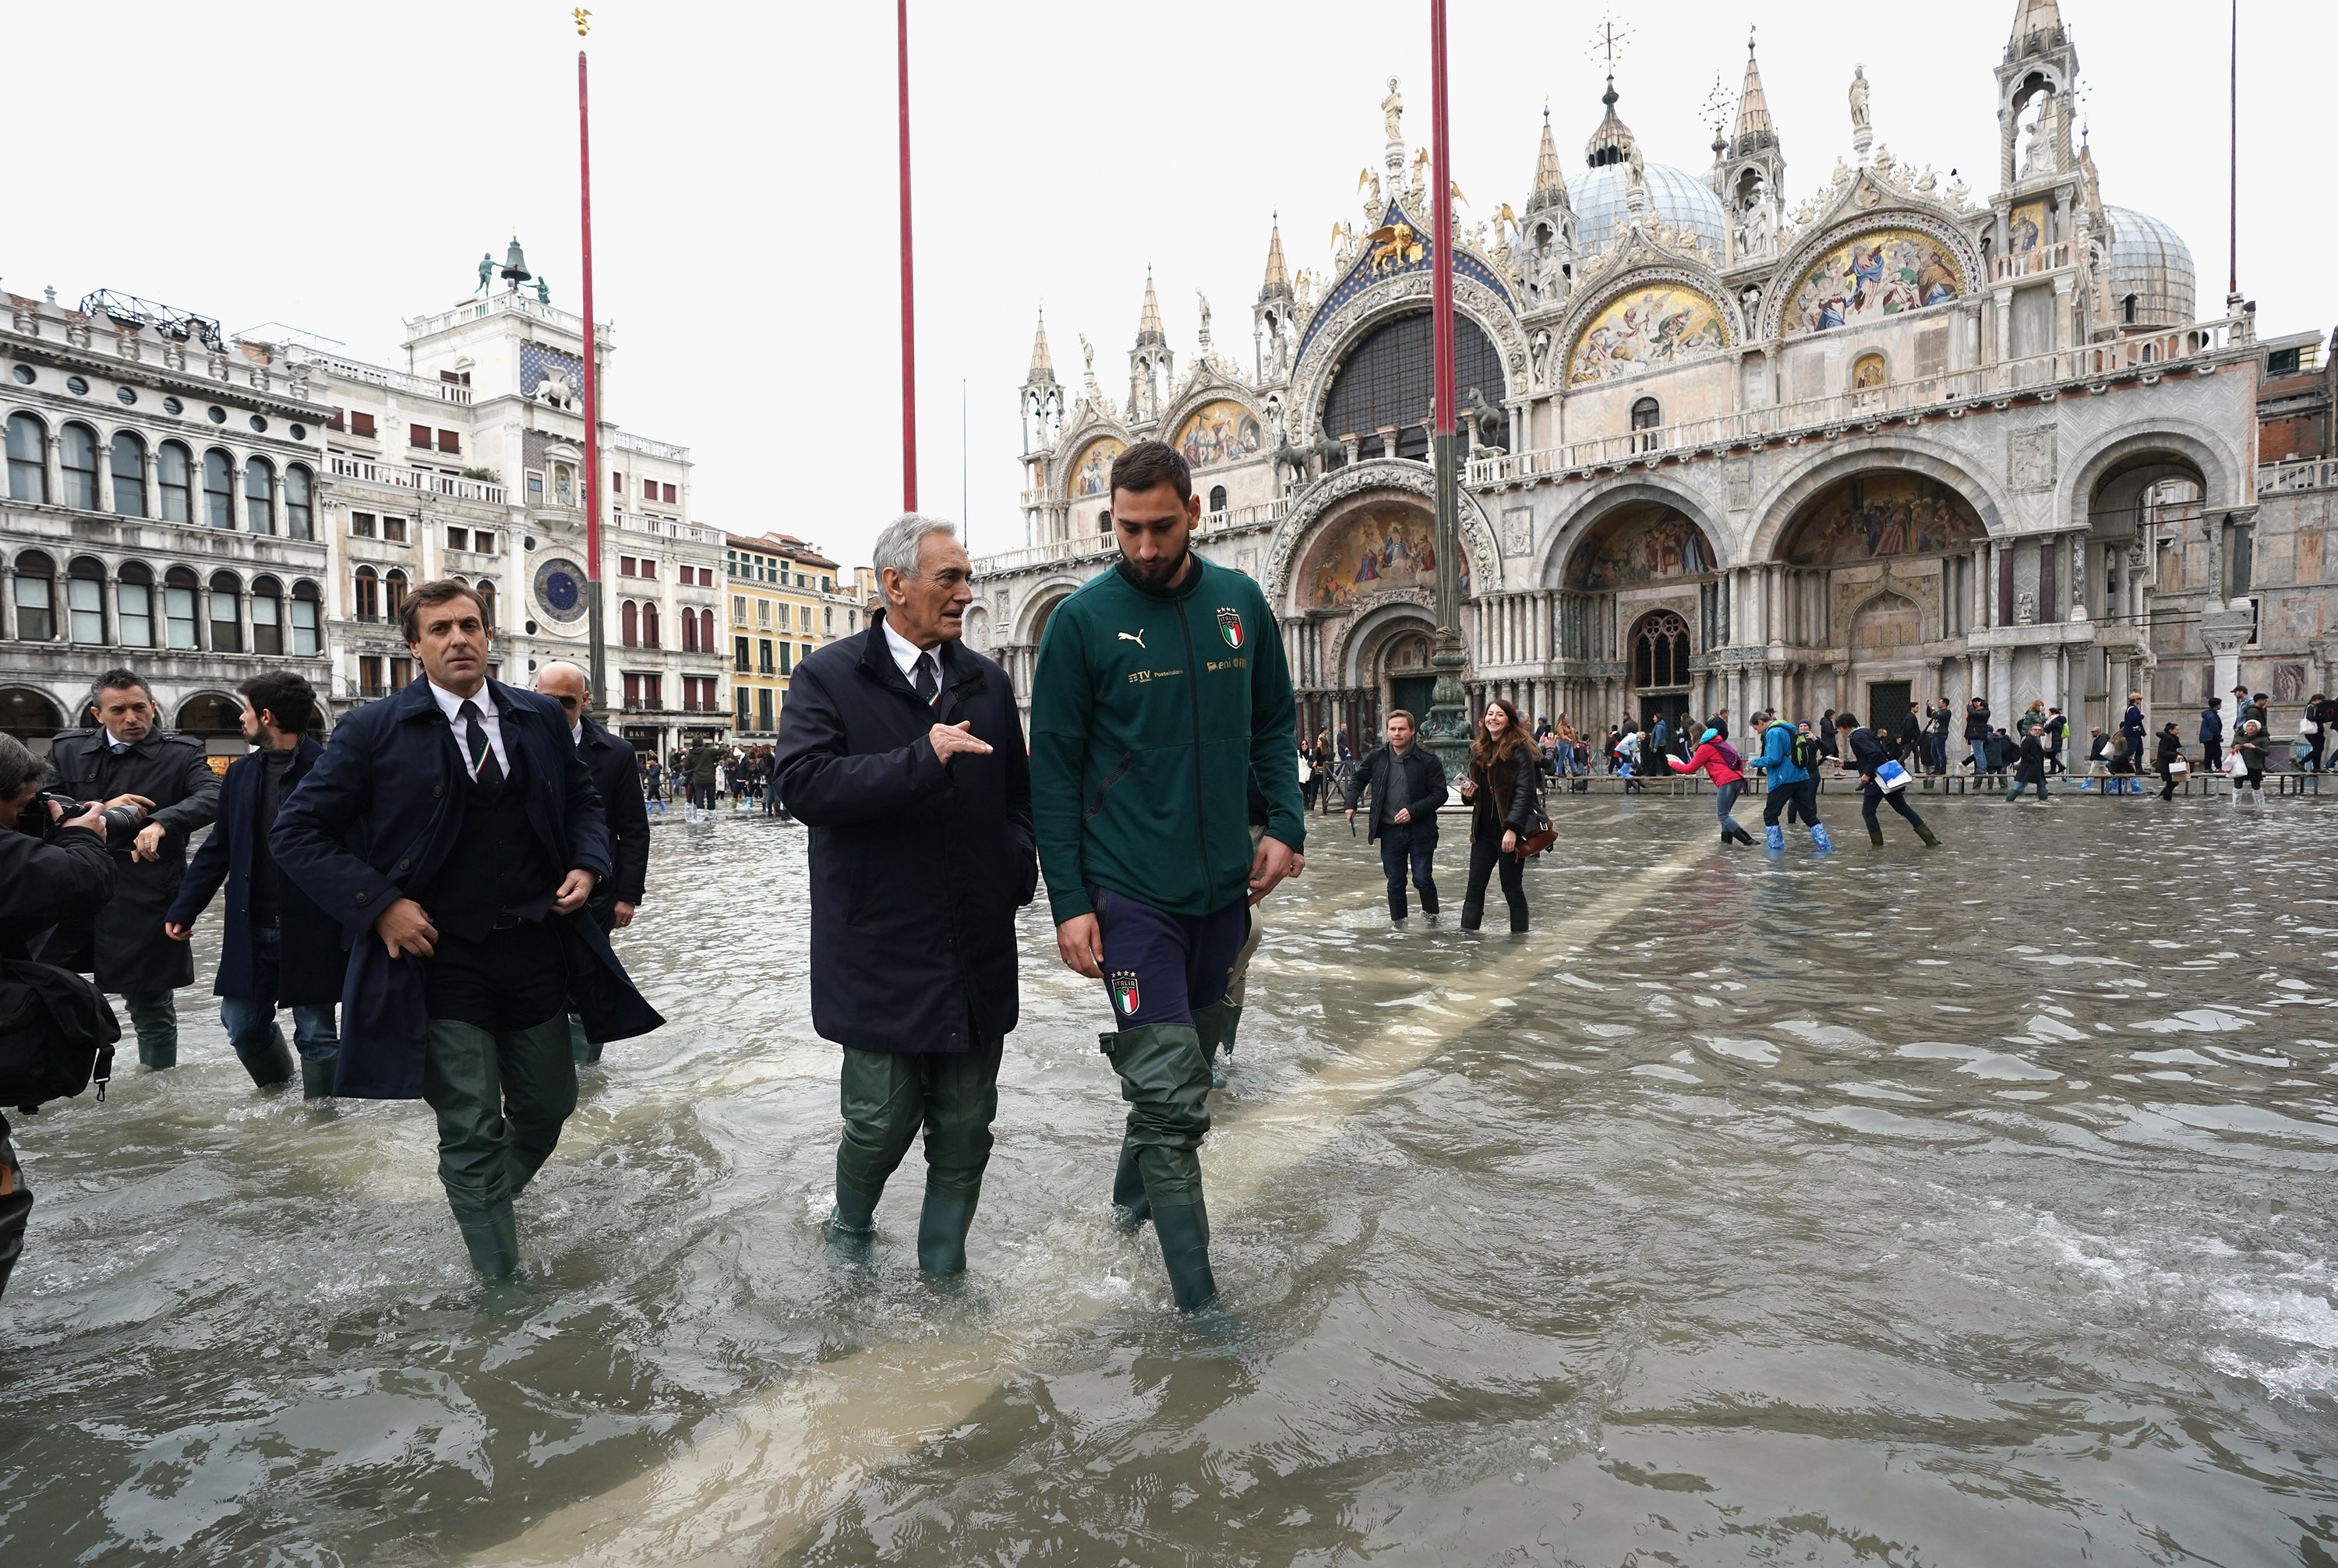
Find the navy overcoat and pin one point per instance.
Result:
(917, 868)
(379, 814)
(311, 966)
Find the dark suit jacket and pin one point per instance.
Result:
(917, 868)
(377, 814)
(123, 947)
(618, 777)
(313, 963)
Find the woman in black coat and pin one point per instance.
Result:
(2171, 747)
(1500, 792)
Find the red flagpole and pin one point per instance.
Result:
(1442, 204)
(909, 291)
(592, 395)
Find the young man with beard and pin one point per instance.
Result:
(1161, 690)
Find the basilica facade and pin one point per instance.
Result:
(1892, 440)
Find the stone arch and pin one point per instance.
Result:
(1038, 603)
(1780, 509)
(1342, 491)
(1604, 498)
(978, 627)
(209, 714)
(1844, 224)
(30, 714)
(1199, 394)
(2219, 467)
(1895, 620)
(1363, 634)
(1403, 294)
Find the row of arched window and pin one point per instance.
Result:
(637, 624)
(181, 612)
(381, 595)
(125, 476)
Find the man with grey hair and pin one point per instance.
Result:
(901, 751)
(616, 774)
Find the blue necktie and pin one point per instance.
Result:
(484, 768)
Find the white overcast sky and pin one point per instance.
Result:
(339, 168)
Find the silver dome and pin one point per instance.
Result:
(2150, 263)
(1675, 199)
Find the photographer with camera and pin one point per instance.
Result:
(157, 790)
(52, 868)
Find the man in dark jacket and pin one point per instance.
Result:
(127, 761)
(617, 775)
(902, 752)
(62, 876)
(1977, 732)
(1407, 783)
(2212, 737)
(699, 768)
(1868, 756)
(276, 947)
(452, 830)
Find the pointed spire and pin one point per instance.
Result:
(1148, 325)
(1755, 129)
(1043, 368)
(1278, 275)
(1549, 184)
(1612, 142)
(2036, 16)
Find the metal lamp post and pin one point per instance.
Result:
(1448, 729)
(597, 632)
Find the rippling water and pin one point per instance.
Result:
(1963, 1207)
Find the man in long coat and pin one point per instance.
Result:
(277, 948)
(453, 832)
(902, 752)
(616, 774)
(166, 777)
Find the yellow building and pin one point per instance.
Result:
(786, 599)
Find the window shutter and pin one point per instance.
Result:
(360, 423)
(450, 441)
(419, 435)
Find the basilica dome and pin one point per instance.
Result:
(2149, 273)
(1675, 199)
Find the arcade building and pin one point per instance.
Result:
(1892, 440)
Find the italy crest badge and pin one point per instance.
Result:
(1124, 992)
(1229, 627)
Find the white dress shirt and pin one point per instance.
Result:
(452, 706)
(907, 653)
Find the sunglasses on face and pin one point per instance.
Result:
(568, 702)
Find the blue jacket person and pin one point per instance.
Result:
(616, 774)
(901, 753)
(276, 946)
(452, 832)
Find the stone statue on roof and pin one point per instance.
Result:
(1393, 112)
(486, 269)
(1859, 97)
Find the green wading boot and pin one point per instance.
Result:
(272, 1065)
(852, 1225)
(492, 1238)
(1875, 836)
(580, 1051)
(1215, 1025)
(942, 1226)
(317, 1074)
(1185, 1232)
(1930, 838)
(1130, 1207)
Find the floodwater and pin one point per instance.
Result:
(1970, 1206)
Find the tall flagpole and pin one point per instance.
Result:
(908, 289)
(2233, 174)
(599, 632)
(1448, 719)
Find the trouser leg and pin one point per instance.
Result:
(461, 1083)
(16, 1208)
(882, 1096)
(1514, 886)
(538, 1077)
(1774, 801)
(1424, 872)
(155, 1017)
(1724, 802)
(1396, 847)
(257, 1043)
(1483, 853)
(961, 1102)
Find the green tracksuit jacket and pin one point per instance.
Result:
(1149, 714)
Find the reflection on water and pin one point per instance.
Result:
(1972, 1206)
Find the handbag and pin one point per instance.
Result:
(2177, 768)
(1891, 775)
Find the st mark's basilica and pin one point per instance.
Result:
(1893, 439)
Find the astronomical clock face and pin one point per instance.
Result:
(560, 591)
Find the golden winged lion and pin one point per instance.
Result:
(1393, 245)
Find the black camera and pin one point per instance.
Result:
(37, 819)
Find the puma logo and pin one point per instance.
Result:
(1135, 637)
